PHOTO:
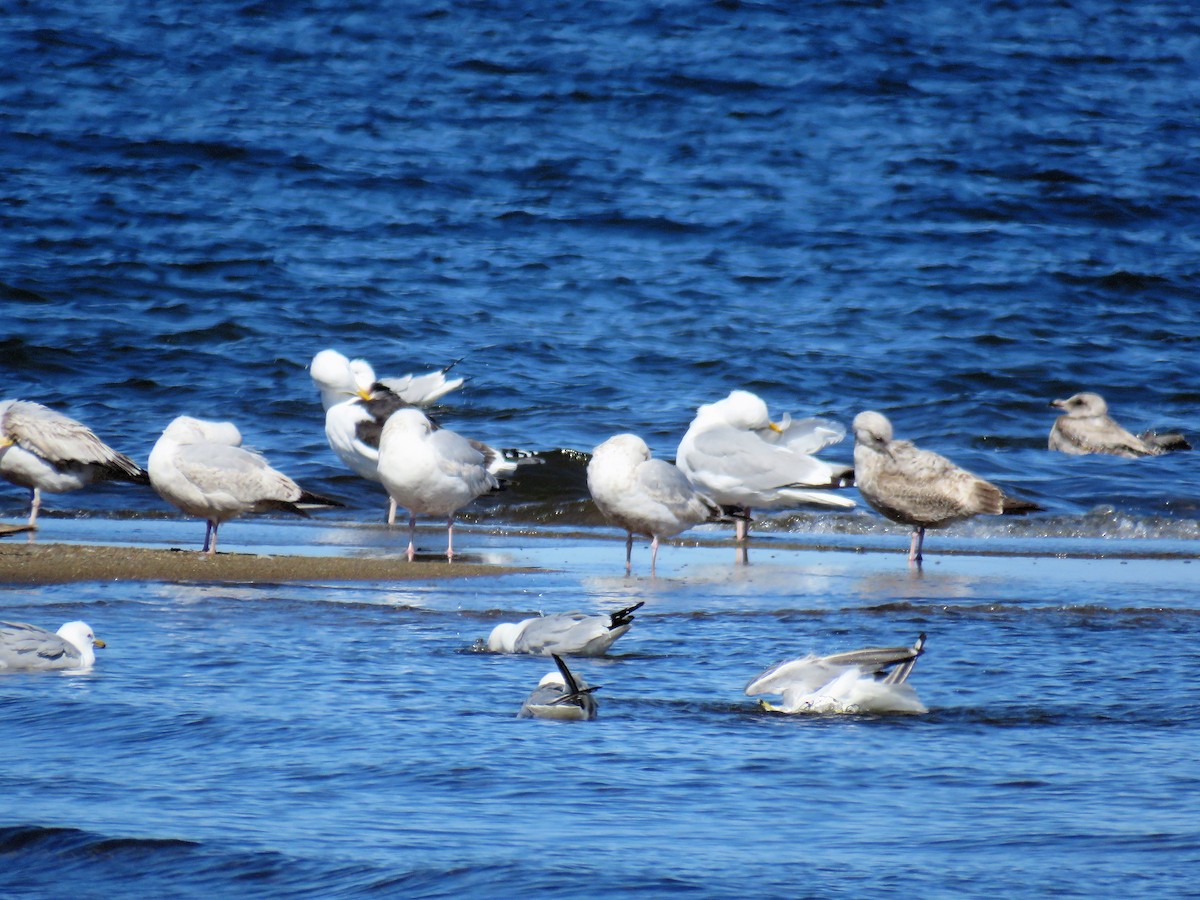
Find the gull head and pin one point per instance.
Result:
(625, 446)
(331, 371)
(741, 409)
(872, 429)
(1082, 406)
(188, 430)
(80, 636)
(503, 638)
(409, 420)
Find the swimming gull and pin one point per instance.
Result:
(26, 647)
(200, 467)
(43, 450)
(918, 487)
(1086, 428)
(873, 680)
(561, 695)
(569, 633)
(430, 471)
(738, 457)
(644, 495)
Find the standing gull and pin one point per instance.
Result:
(26, 647)
(738, 457)
(43, 450)
(918, 487)
(1086, 428)
(430, 471)
(200, 467)
(569, 634)
(644, 495)
(873, 680)
(335, 375)
(560, 695)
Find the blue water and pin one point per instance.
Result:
(612, 213)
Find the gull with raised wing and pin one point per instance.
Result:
(873, 680)
(561, 695)
(738, 457)
(43, 450)
(200, 467)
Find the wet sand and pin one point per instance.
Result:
(47, 563)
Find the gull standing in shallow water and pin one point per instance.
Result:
(568, 634)
(874, 680)
(560, 695)
(644, 495)
(1086, 428)
(430, 471)
(738, 457)
(29, 648)
(918, 487)
(43, 450)
(200, 467)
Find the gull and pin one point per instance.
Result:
(430, 471)
(568, 634)
(560, 695)
(26, 647)
(335, 375)
(1086, 428)
(43, 450)
(200, 467)
(873, 680)
(644, 495)
(918, 487)
(738, 457)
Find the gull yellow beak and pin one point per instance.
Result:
(363, 394)
(775, 427)
(96, 642)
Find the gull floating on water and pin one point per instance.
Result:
(873, 680)
(561, 695)
(26, 647)
(1086, 428)
(430, 471)
(644, 495)
(738, 457)
(43, 450)
(568, 634)
(200, 467)
(918, 487)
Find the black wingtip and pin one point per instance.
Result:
(625, 616)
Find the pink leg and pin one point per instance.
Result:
(212, 551)
(391, 511)
(412, 536)
(35, 503)
(653, 553)
(450, 536)
(914, 548)
(743, 526)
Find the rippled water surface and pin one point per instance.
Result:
(611, 213)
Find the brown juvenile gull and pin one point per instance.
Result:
(737, 456)
(561, 695)
(201, 468)
(644, 495)
(43, 450)
(1087, 428)
(918, 487)
(26, 648)
(872, 680)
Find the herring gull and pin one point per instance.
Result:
(644, 495)
(43, 450)
(335, 375)
(738, 457)
(873, 680)
(28, 648)
(430, 471)
(560, 695)
(918, 487)
(569, 633)
(200, 467)
(1087, 428)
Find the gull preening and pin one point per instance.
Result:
(738, 457)
(200, 467)
(43, 450)
(561, 695)
(872, 680)
(25, 647)
(430, 471)
(644, 495)
(919, 487)
(1085, 427)
(334, 375)
(567, 634)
